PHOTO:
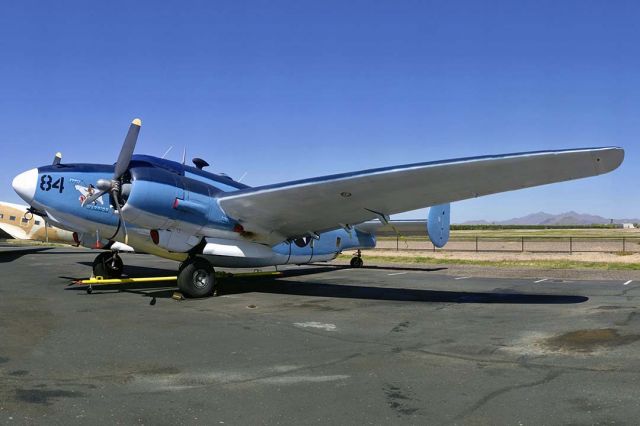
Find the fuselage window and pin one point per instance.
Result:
(25, 220)
(338, 240)
(37, 222)
(12, 218)
(1, 215)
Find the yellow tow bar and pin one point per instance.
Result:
(105, 281)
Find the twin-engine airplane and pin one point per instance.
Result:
(204, 219)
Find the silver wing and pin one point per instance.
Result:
(292, 209)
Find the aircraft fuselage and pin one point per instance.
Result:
(171, 211)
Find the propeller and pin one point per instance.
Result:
(114, 185)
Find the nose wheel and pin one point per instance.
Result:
(108, 265)
(196, 278)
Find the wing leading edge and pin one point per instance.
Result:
(292, 209)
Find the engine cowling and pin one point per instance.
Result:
(160, 199)
(439, 224)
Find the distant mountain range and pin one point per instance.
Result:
(542, 218)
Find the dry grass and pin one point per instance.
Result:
(603, 261)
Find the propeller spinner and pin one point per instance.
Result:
(114, 186)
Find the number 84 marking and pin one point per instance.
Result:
(47, 183)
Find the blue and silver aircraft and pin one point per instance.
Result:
(205, 220)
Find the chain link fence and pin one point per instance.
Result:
(532, 244)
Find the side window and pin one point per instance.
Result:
(338, 240)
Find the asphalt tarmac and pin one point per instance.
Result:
(318, 345)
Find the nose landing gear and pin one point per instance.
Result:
(108, 265)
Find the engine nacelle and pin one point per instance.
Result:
(439, 224)
(160, 200)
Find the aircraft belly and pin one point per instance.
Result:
(245, 254)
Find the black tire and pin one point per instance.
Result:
(108, 265)
(196, 278)
(356, 262)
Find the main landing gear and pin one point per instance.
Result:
(108, 265)
(197, 278)
(356, 260)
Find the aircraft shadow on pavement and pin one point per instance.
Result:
(391, 268)
(7, 256)
(406, 268)
(302, 288)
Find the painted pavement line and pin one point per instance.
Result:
(540, 281)
(628, 282)
(397, 273)
(461, 278)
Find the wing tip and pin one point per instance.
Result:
(608, 159)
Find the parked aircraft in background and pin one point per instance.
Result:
(20, 224)
(204, 219)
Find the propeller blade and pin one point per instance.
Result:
(127, 149)
(93, 198)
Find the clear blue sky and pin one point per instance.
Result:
(286, 90)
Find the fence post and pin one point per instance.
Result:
(397, 242)
(570, 245)
(522, 244)
(476, 243)
(624, 246)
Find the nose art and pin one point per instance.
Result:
(25, 184)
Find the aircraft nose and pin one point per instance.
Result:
(25, 184)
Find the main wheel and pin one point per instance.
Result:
(356, 262)
(108, 265)
(196, 278)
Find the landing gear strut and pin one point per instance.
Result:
(108, 265)
(197, 278)
(356, 260)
